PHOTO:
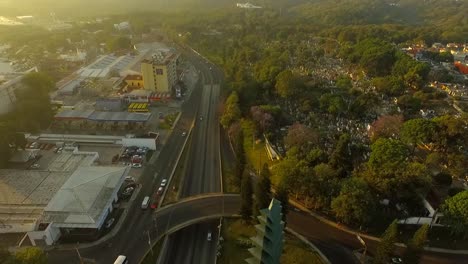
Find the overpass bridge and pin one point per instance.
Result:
(185, 212)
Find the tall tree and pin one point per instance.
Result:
(416, 245)
(232, 111)
(286, 85)
(246, 195)
(455, 211)
(282, 195)
(355, 203)
(387, 245)
(263, 188)
(388, 154)
(417, 131)
(340, 158)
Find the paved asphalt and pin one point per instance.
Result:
(190, 245)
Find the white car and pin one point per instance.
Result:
(35, 166)
(208, 237)
(184, 134)
(163, 182)
(110, 222)
(129, 178)
(160, 190)
(136, 165)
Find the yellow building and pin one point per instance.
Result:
(159, 73)
(134, 81)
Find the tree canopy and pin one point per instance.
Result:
(232, 112)
(387, 245)
(355, 204)
(455, 211)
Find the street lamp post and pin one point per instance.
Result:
(78, 252)
(149, 242)
(363, 257)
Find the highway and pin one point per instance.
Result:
(190, 245)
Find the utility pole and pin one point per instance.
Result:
(78, 252)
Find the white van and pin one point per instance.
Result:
(145, 202)
(121, 260)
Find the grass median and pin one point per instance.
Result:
(236, 242)
(179, 173)
(153, 258)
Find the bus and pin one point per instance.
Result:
(121, 260)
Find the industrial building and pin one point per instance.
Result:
(68, 191)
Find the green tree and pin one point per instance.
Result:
(415, 246)
(332, 103)
(418, 131)
(316, 156)
(246, 195)
(286, 85)
(355, 204)
(388, 154)
(33, 109)
(340, 158)
(344, 82)
(389, 85)
(457, 164)
(5, 140)
(263, 190)
(31, 255)
(386, 246)
(455, 211)
(232, 111)
(409, 103)
(282, 195)
(39, 81)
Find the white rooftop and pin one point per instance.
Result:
(81, 201)
(104, 65)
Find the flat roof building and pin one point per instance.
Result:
(70, 192)
(159, 72)
(85, 199)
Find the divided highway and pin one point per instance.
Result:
(191, 245)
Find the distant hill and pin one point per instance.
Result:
(104, 7)
(346, 12)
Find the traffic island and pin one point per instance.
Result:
(153, 255)
(175, 184)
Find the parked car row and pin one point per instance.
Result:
(134, 155)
